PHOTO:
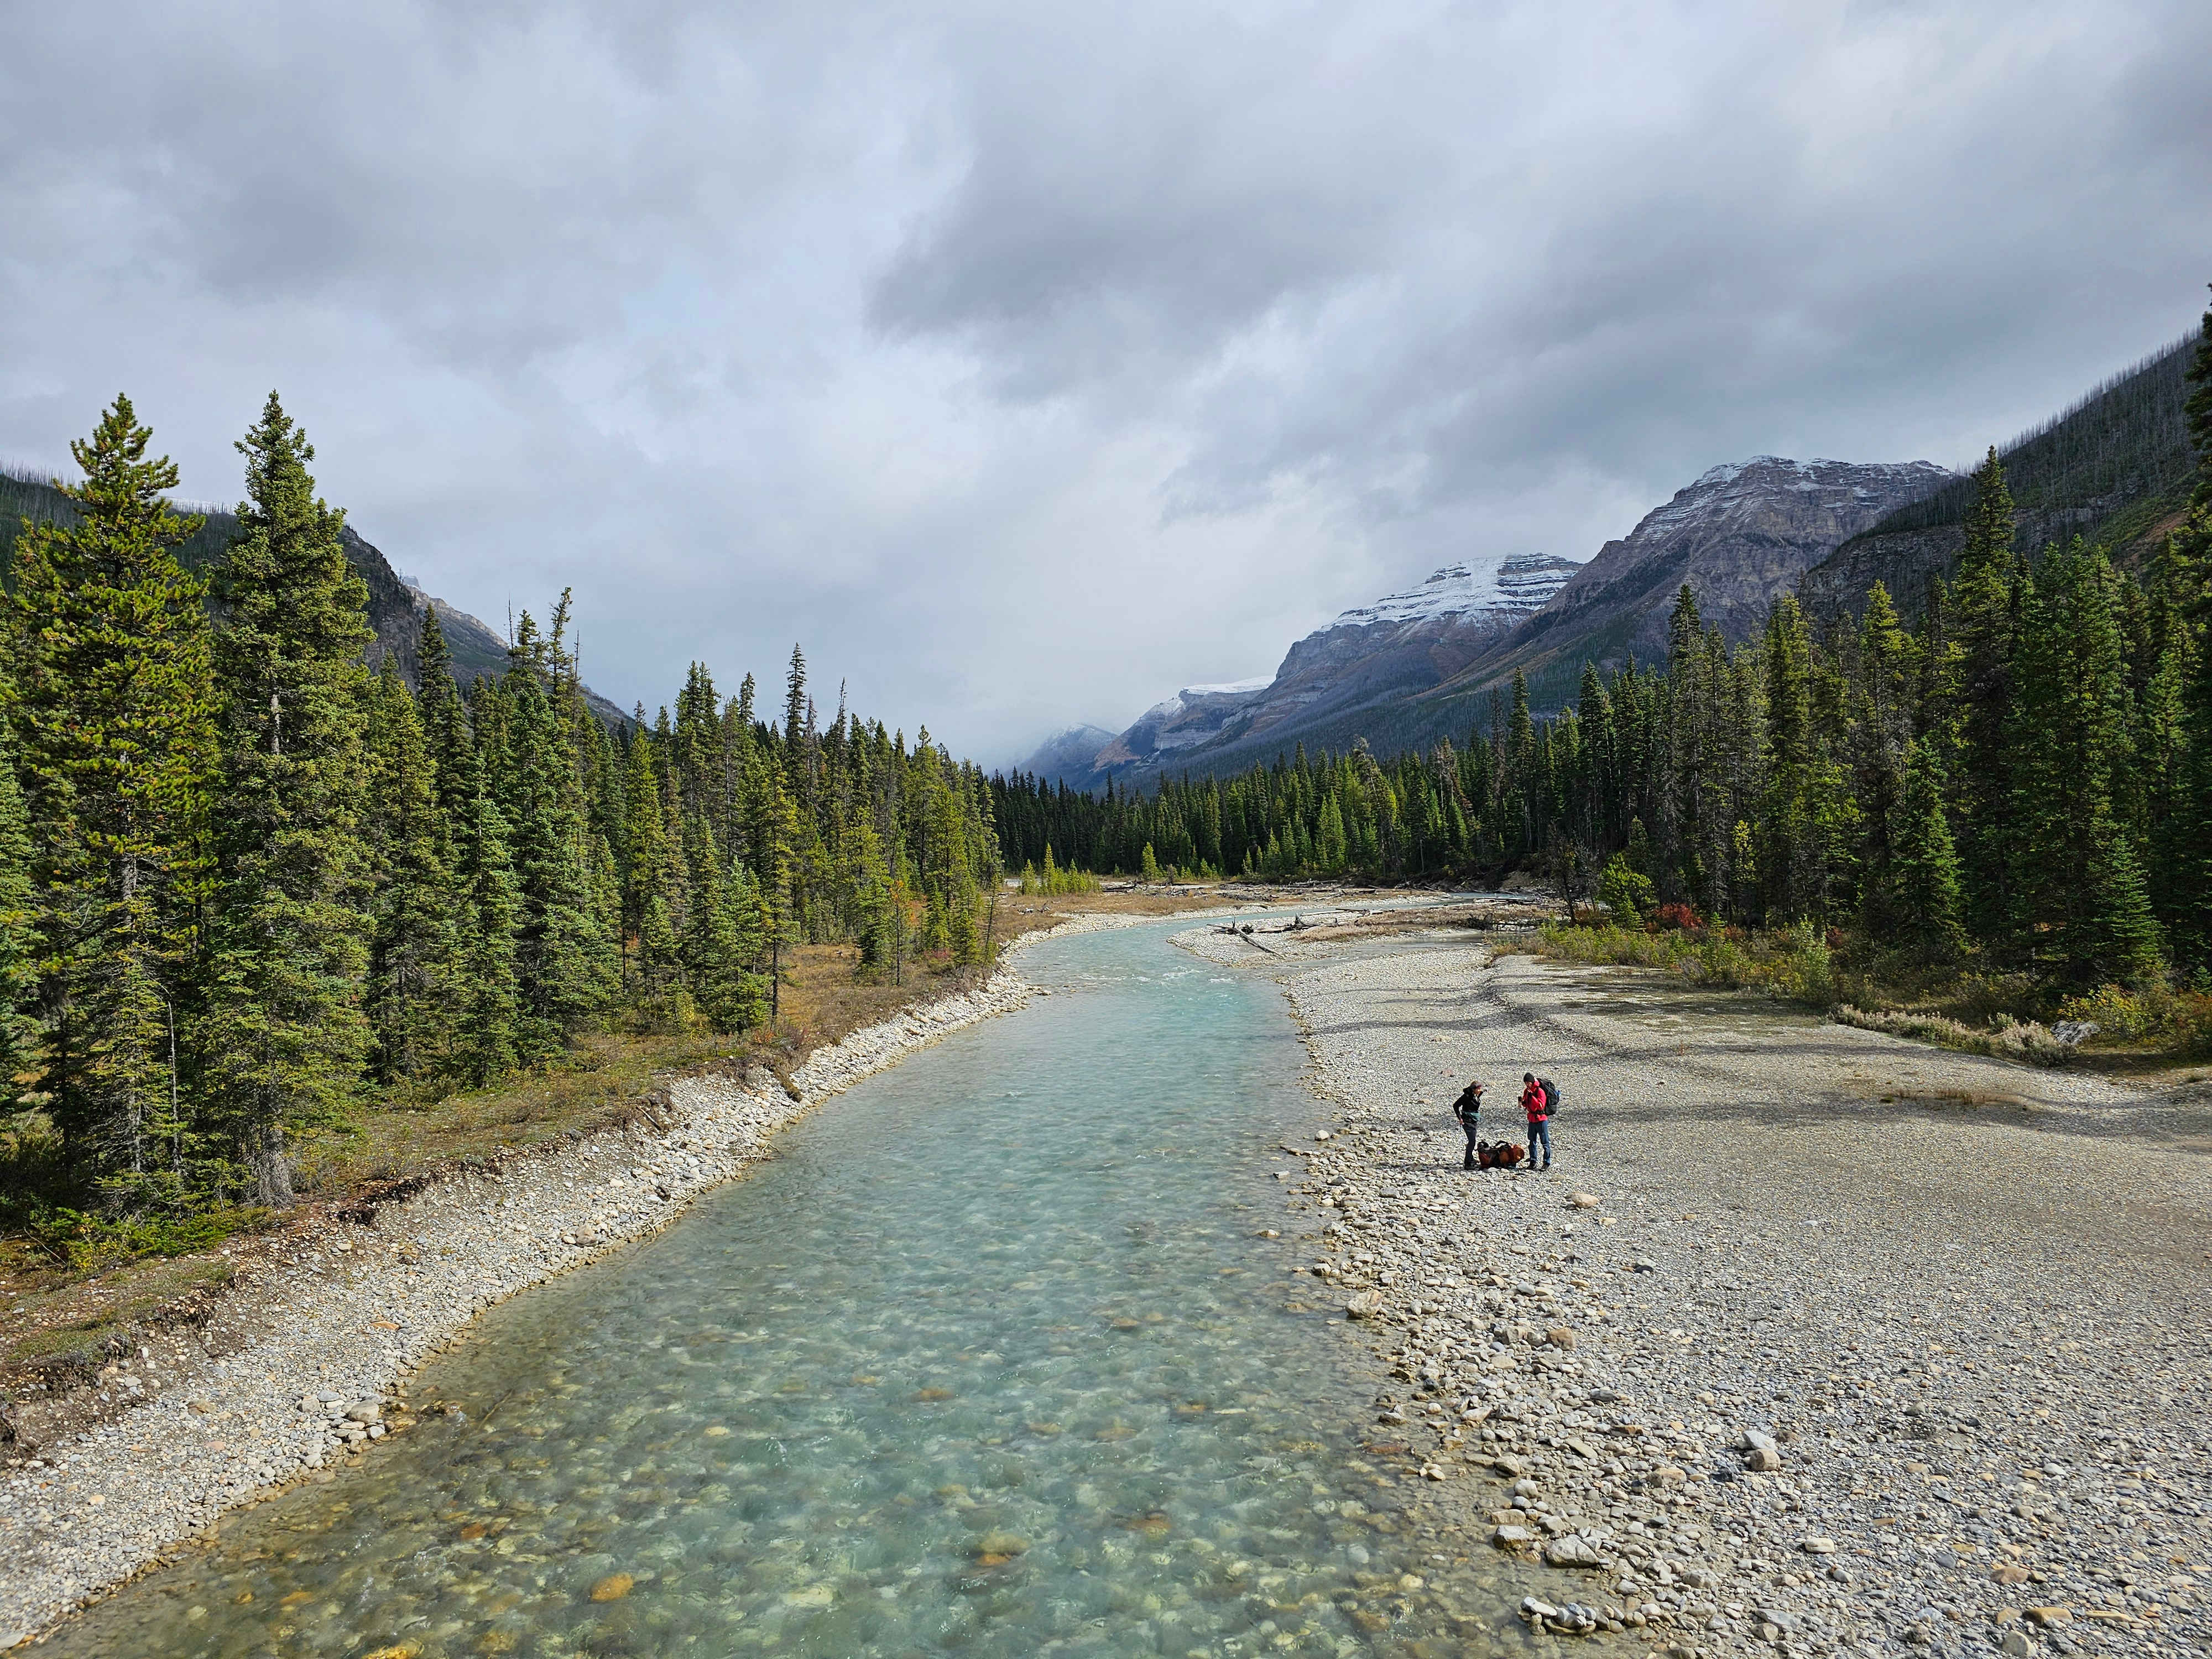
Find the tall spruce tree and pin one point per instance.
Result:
(20, 1053)
(414, 978)
(488, 1010)
(1923, 893)
(720, 937)
(1992, 588)
(112, 710)
(567, 971)
(283, 1037)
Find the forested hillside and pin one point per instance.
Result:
(2115, 469)
(2023, 779)
(249, 885)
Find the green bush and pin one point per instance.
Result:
(91, 1243)
(2117, 1012)
(1627, 894)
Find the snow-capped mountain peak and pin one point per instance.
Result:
(1512, 586)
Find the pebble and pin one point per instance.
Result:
(1847, 1371)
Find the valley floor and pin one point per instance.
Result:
(1958, 1305)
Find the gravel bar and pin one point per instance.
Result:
(1812, 1341)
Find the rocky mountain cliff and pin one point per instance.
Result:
(1739, 536)
(2115, 468)
(1069, 756)
(395, 606)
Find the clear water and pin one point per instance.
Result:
(989, 1360)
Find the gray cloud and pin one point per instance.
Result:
(1025, 367)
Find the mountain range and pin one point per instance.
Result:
(1427, 663)
(396, 606)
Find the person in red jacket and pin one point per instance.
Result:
(1538, 1105)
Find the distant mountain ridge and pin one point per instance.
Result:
(1369, 657)
(1740, 535)
(395, 605)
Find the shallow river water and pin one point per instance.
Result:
(989, 1360)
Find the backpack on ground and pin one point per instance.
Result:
(1551, 1096)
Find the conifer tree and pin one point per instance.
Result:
(1881, 729)
(1923, 887)
(20, 1052)
(1992, 589)
(721, 934)
(447, 741)
(647, 869)
(413, 972)
(566, 970)
(283, 1037)
(483, 1042)
(112, 710)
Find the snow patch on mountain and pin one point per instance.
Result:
(1514, 585)
(1169, 707)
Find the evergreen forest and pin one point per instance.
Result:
(251, 883)
(2019, 778)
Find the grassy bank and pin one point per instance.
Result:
(2010, 1016)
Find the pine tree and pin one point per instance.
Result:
(483, 1041)
(113, 717)
(283, 1037)
(2078, 888)
(721, 935)
(1993, 587)
(21, 1050)
(447, 738)
(1923, 891)
(648, 871)
(413, 970)
(1881, 729)
(567, 968)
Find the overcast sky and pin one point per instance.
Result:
(1027, 362)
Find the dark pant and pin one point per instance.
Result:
(1540, 1130)
(1468, 1124)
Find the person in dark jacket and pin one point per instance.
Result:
(1536, 1102)
(1467, 1108)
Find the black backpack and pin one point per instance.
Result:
(1551, 1096)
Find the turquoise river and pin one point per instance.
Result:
(991, 1358)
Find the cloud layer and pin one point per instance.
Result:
(1025, 366)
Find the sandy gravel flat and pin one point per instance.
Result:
(1960, 1303)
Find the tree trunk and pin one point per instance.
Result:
(272, 1171)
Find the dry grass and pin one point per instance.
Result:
(67, 1314)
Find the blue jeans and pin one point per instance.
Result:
(1540, 1130)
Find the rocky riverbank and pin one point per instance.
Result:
(326, 1328)
(1814, 1341)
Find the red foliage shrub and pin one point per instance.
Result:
(1682, 916)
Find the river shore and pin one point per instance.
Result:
(1812, 1341)
(325, 1331)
